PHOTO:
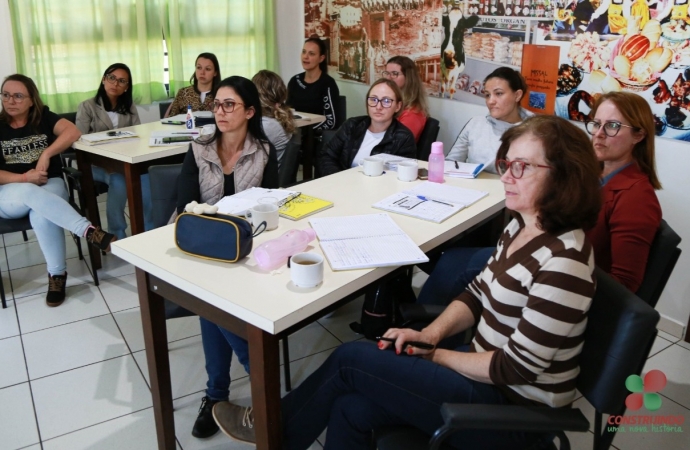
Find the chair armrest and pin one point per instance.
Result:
(72, 172)
(415, 312)
(513, 417)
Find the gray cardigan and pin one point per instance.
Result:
(93, 118)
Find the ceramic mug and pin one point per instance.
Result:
(407, 170)
(264, 212)
(373, 167)
(306, 269)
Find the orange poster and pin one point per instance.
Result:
(540, 69)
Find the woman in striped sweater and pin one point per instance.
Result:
(529, 307)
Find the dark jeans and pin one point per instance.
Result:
(361, 388)
(218, 347)
(452, 273)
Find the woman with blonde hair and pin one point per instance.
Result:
(403, 72)
(277, 118)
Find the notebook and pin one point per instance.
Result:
(363, 242)
(430, 201)
(457, 169)
(302, 206)
(106, 137)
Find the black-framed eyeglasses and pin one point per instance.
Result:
(611, 127)
(227, 105)
(391, 75)
(385, 102)
(112, 79)
(6, 96)
(517, 167)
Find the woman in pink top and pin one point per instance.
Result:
(403, 71)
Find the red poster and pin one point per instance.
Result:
(540, 69)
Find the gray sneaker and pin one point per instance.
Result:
(235, 421)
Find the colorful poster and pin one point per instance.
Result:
(540, 69)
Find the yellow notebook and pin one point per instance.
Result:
(302, 206)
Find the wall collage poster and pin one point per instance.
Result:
(641, 46)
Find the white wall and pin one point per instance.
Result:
(8, 64)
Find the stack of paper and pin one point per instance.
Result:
(457, 169)
(362, 242)
(238, 204)
(108, 137)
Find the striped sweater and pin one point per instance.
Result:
(531, 310)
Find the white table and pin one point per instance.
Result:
(262, 307)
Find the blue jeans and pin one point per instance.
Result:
(452, 273)
(117, 199)
(361, 388)
(49, 213)
(219, 344)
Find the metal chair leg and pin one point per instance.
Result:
(26, 238)
(286, 365)
(2, 293)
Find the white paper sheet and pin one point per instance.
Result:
(238, 204)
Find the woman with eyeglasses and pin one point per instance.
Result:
(403, 71)
(314, 91)
(238, 156)
(480, 138)
(113, 107)
(622, 132)
(32, 138)
(529, 306)
(377, 132)
(277, 118)
(200, 94)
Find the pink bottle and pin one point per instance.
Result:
(436, 162)
(274, 253)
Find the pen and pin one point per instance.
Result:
(456, 165)
(289, 199)
(421, 197)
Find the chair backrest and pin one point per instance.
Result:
(620, 331)
(287, 174)
(341, 111)
(663, 255)
(71, 116)
(428, 136)
(163, 108)
(163, 181)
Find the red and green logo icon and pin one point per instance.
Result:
(644, 392)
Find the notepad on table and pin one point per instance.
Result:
(457, 169)
(363, 242)
(302, 206)
(239, 203)
(106, 137)
(430, 201)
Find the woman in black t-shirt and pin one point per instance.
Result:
(314, 91)
(32, 138)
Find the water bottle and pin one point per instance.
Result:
(436, 162)
(274, 253)
(190, 118)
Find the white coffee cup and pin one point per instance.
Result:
(306, 269)
(264, 212)
(373, 167)
(407, 170)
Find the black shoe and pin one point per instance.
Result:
(205, 426)
(56, 289)
(99, 238)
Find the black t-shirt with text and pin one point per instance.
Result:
(20, 148)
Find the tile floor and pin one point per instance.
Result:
(75, 377)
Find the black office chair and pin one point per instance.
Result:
(428, 136)
(663, 256)
(621, 329)
(163, 180)
(341, 111)
(163, 108)
(287, 174)
(11, 226)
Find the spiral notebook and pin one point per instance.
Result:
(302, 206)
(363, 242)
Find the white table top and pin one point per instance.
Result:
(308, 119)
(270, 301)
(136, 150)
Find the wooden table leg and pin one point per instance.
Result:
(265, 380)
(156, 341)
(136, 205)
(309, 150)
(88, 191)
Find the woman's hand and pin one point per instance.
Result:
(403, 338)
(43, 163)
(37, 177)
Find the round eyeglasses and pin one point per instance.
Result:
(517, 168)
(385, 102)
(392, 75)
(112, 79)
(611, 128)
(18, 98)
(228, 106)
